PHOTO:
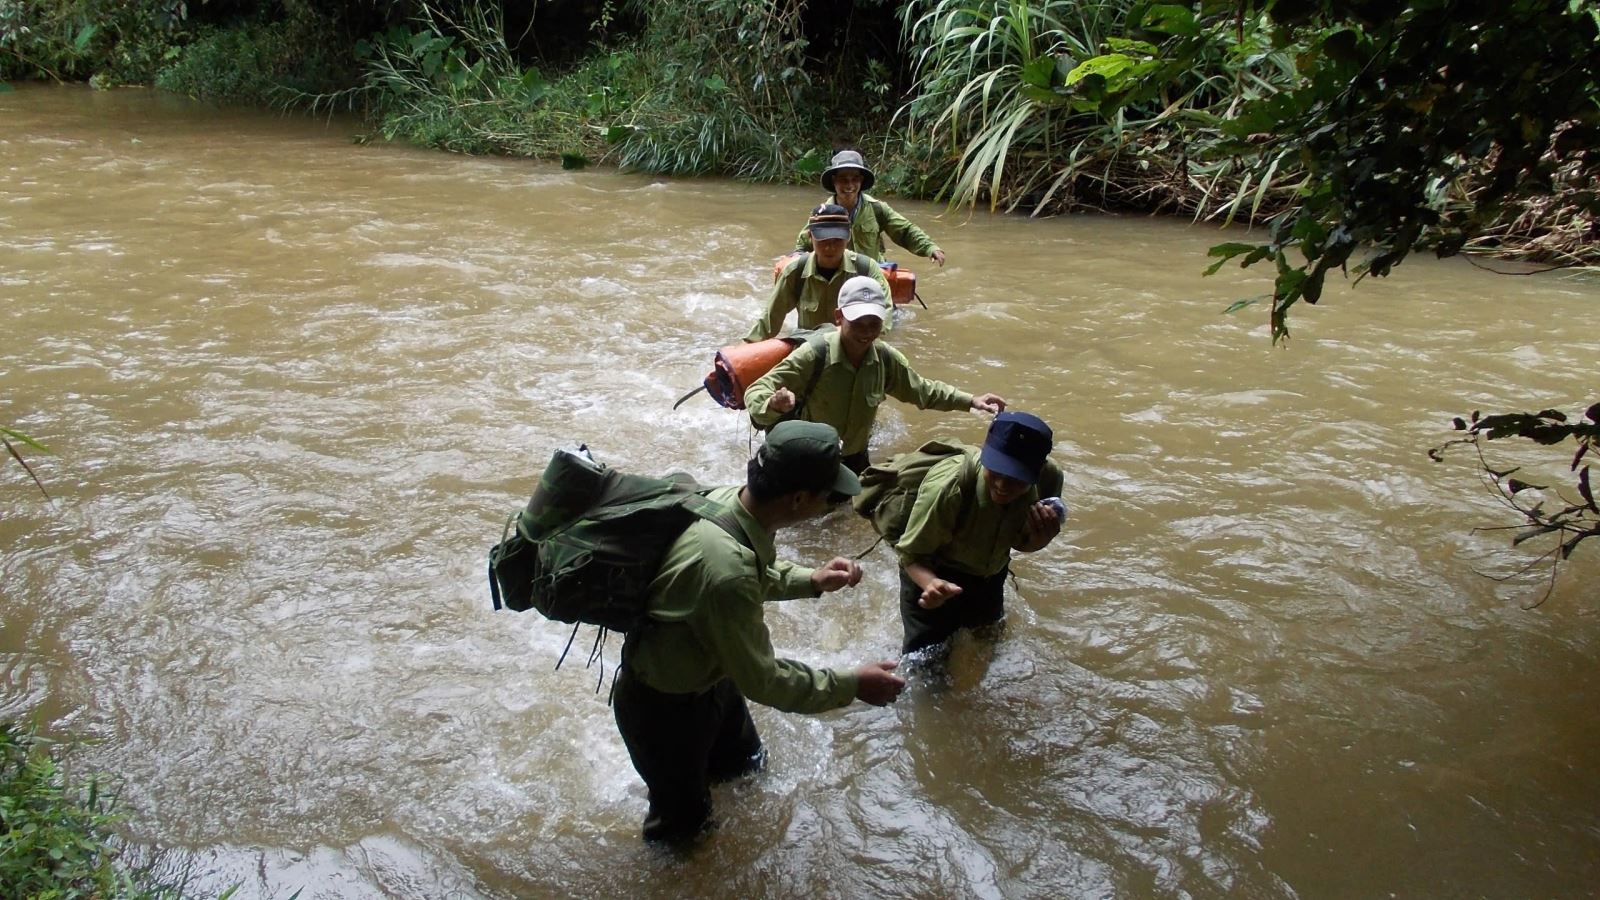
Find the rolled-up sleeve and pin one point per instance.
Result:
(790, 373)
(903, 232)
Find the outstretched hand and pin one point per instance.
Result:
(936, 592)
(938, 258)
(837, 573)
(989, 403)
(877, 684)
(782, 400)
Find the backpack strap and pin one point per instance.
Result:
(865, 264)
(703, 507)
(818, 342)
(968, 485)
(792, 283)
(724, 519)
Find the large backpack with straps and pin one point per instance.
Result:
(586, 547)
(889, 489)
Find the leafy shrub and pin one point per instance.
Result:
(56, 837)
(256, 62)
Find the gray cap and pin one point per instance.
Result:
(862, 295)
(847, 159)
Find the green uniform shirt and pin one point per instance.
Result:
(706, 606)
(869, 222)
(814, 296)
(847, 397)
(980, 545)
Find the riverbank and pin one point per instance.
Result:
(1037, 108)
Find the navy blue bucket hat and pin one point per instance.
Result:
(1017, 445)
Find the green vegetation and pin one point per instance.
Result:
(1574, 520)
(1439, 126)
(7, 437)
(720, 87)
(56, 837)
(1403, 129)
(1259, 111)
(1023, 90)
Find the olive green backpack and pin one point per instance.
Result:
(591, 539)
(889, 489)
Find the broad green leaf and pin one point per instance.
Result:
(1340, 46)
(1170, 18)
(1289, 284)
(1042, 96)
(1039, 71)
(1230, 249)
(1104, 66)
(1312, 287)
(810, 165)
(1130, 46)
(1225, 252)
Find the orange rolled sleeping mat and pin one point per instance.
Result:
(737, 366)
(902, 282)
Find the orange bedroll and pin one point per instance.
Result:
(737, 366)
(902, 282)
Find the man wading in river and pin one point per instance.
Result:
(680, 697)
(970, 512)
(810, 282)
(849, 179)
(842, 378)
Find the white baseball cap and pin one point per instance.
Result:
(862, 295)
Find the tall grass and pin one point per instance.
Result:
(1017, 89)
(718, 87)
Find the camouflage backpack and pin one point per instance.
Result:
(591, 540)
(889, 489)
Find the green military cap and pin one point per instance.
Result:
(806, 455)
